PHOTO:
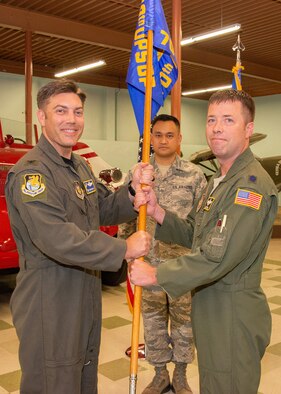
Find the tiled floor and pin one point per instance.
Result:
(114, 364)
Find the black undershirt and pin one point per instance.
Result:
(68, 161)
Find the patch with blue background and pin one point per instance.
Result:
(89, 186)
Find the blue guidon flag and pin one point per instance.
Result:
(165, 70)
(239, 76)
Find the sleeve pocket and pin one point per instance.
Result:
(216, 242)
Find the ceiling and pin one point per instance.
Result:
(70, 33)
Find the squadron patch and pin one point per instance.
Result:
(89, 186)
(209, 203)
(79, 191)
(248, 198)
(33, 185)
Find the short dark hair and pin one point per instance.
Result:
(165, 118)
(56, 87)
(248, 104)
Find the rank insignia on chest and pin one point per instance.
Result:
(33, 185)
(79, 191)
(89, 186)
(209, 203)
(248, 198)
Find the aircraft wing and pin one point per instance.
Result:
(207, 154)
(202, 155)
(257, 137)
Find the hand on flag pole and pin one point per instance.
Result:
(143, 174)
(142, 273)
(138, 244)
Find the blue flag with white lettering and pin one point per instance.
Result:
(165, 70)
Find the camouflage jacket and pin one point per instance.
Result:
(176, 191)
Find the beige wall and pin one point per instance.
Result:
(110, 126)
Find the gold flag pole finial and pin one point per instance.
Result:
(238, 46)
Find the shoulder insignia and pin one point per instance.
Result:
(248, 198)
(79, 191)
(33, 185)
(89, 186)
(209, 203)
(252, 178)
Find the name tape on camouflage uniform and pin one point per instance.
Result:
(248, 198)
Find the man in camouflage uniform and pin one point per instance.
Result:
(178, 183)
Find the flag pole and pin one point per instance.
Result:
(142, 214)
(238, 46)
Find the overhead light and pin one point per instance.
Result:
(191, 92)
(79, 69)
(210, 34)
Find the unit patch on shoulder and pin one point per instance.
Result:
(33, 186)
(248, 198)
(89, 186)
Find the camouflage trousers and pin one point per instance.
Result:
(167, 328)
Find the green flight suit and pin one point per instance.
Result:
(55, 211)
(229, 231)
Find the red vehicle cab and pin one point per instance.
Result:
(11, 150)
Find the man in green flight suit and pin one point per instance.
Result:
(229, 231)
(56, 206)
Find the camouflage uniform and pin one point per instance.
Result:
(177, 192)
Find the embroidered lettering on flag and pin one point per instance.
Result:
(248, 198)
(165, 70)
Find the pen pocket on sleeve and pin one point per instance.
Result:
(216, 242)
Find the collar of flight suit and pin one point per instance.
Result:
(239, 164)
(45, 146)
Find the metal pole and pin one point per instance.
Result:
(28, 87)
(142, 214)
(176, 38)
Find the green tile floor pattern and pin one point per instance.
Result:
(119, 368)
(10, 381)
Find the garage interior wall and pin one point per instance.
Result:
(110, 126)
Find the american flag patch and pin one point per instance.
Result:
(248, 198)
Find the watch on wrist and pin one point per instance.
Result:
(131, 189)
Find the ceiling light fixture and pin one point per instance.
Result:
(191, 92)
(79, 69)
(210, 34)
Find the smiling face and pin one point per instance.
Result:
(228, 131)
(62, 121)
